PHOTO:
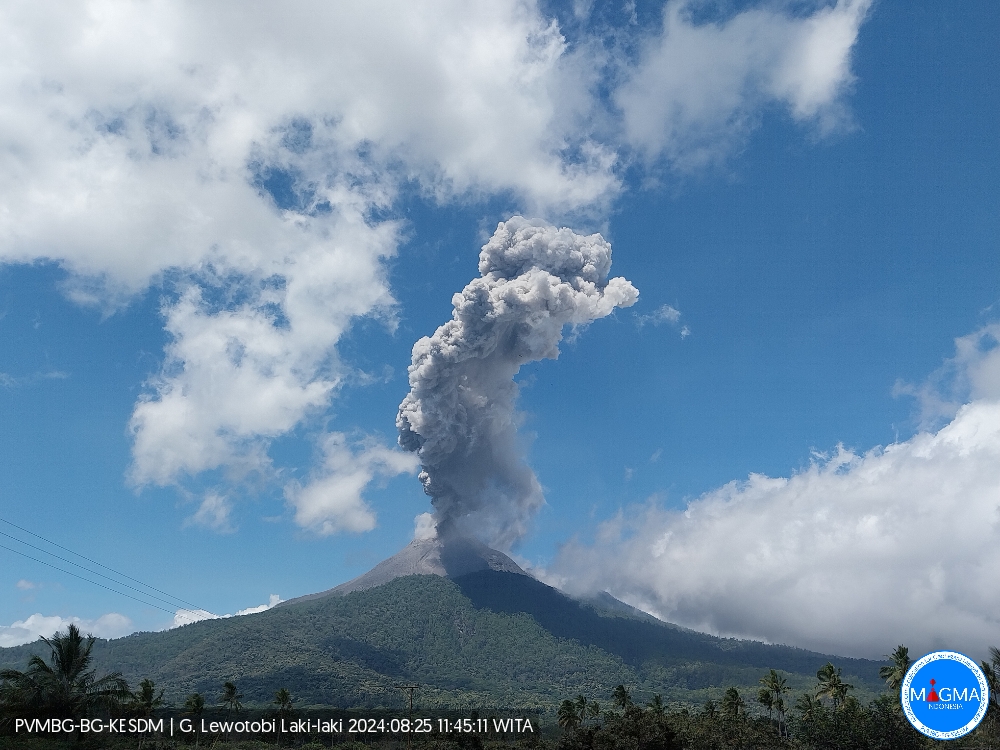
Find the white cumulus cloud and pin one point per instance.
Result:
(239, 161)
(973, 373)
(111, 625)
(236, 377)
(242, 156)
(698, 88)
(332, 499)
(214, 512)
(188, 616)
(854, 555)
(664, 314)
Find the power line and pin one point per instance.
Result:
(94, 572)
(95, 583)
(100, 565)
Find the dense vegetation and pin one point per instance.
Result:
(826, 718)
(485, 645)
(485, 640)
(66, 686)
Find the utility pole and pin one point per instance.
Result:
(411, 688)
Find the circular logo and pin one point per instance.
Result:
(945, 695)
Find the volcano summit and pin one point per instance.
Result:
(458, 557)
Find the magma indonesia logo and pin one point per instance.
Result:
(945, 695)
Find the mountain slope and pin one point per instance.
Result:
(485, 639)
(634, 640)
(425, 557)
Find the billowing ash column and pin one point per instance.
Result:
(460, 415)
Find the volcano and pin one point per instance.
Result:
(469, 626)
(458, 557)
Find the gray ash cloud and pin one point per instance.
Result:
(460, 415)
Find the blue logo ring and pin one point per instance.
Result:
(951, 719)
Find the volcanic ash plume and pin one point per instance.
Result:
(459, 415)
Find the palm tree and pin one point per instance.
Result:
(621, 697)
(145, 702)
(283, 700)
(991, 670)
(594, 710)
(896, 670)
(63, 687)
(831, 685)
(807, 706)
(775, 688)
(581, 707)
(195, 705)
(732, 704)
(231, 698)
(765, 699)
(567, 716)
(779, 709)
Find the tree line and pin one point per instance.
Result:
(66, 687)
(827, 718)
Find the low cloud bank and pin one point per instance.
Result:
(111, 625)
(188, 616)
(852, 556)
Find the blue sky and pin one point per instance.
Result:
(217, 259)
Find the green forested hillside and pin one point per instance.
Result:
(484, 640)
